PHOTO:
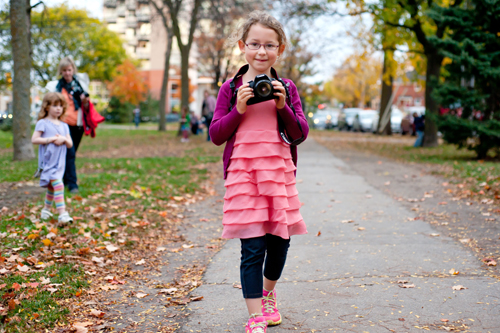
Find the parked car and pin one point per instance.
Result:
(172, 117)
(325, 119)
(332, 117)
(396, 118)
(346, 118)
(363, 121)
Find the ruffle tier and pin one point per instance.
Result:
(261, 196)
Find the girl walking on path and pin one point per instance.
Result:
(261, 204)
(54, 139)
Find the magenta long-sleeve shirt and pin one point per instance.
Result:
(225, 123)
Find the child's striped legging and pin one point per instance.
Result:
(55, 192)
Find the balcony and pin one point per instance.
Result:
(110, 18)
(144, 37)
(132, 41)
(143, 17)
(131, 5)
(121, 11)
(143, 54)
(110, 3)
(120, 28)
(131, 22)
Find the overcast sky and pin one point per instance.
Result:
(333, 30)
(94, 7)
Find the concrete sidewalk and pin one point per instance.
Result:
(347, 276)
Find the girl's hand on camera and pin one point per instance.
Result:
(280, 94)
(244, 94)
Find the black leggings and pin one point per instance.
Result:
(70, 180)
(253, 253)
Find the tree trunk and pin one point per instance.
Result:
(185, 76)
(21, 123)
(162, 126)
(431, 107)
(385, 98)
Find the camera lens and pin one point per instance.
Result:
(263, 88)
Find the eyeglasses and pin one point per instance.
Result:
(268, 47)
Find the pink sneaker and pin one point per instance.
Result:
(269, 308)
(256, 324)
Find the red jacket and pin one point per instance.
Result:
(91, 118)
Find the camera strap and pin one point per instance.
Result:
(288, 100)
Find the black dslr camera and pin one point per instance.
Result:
(263, 89)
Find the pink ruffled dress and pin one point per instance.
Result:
(261, 197)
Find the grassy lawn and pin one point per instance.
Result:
(481, 178)
(131, 182)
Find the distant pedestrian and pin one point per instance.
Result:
(54, 139)
(137, 116)
(261, 204)
(419, 123)
(208, 110)
(185, 124)
(80, 114)
(195, 123)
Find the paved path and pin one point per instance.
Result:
(346, 278)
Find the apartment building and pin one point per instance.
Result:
(144, 38)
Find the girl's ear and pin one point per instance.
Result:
(241, 45)
(281, 49)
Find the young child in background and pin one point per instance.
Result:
(185, 124)
(261, 204)
(54, 139)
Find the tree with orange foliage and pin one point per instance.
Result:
(128, 85)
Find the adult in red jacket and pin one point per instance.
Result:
(80, 115)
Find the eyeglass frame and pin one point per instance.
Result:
(260, 45)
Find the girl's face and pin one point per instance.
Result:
(67, 73)
(55, 111)
(262, 59)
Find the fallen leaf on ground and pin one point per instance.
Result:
(168, 291)
(434, 235)
(161, 249)
(237, 286)
(489, 262)
(112, 248)
(361, 228)
(444, 320)
(186, 246)
(347, 221)
(459, 287)
(97, 313)
(140, 262)
(454, 272)
(141, 295)
(407, 285)
(23, 269)
(319, 233)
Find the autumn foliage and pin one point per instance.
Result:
(128, 85)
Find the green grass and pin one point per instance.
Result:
(458, 164)
(142, 186)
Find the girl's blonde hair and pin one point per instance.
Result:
(52, 98)
(66, 62)
(262, 18)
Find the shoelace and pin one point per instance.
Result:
(269, 304)
(258, 327)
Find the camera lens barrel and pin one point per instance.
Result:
(263, 88)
